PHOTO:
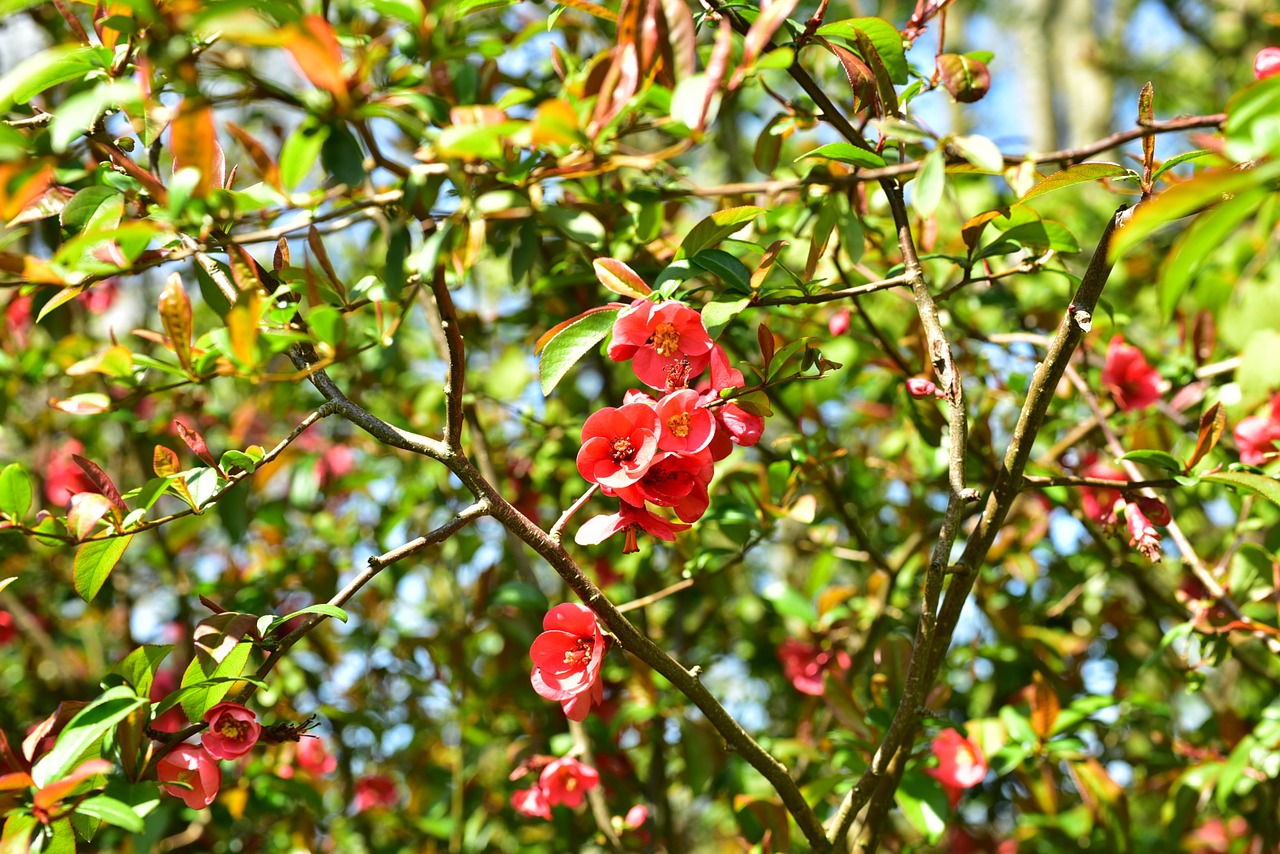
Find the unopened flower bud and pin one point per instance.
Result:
(921, 387)
(1267, 63)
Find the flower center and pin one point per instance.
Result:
(623, 450)
(232, 729)
(666, 340)
(678, 424)
(580, 655)
(571, 784)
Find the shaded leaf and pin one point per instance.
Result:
(175, 316)
(1212, 423)
(93, 563)
(715, 228)
(562, 351)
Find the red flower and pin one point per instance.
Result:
(737, 426)
(567, 658)
(804, 664)
(1132, 382)
(7, 631)
(232, 732)
(192, 765)
(532, 802)
(1098, 502)
(1257, 435)
(173, 719)
(618, 444)
(636, 816)
(839, 323)
(63, 478)
(682, 425)
(1142, 533)
(667, 343)
(674, 480)
(376, 790)
(1267, 63)
(314, 758)
(630, 519)
(961, 764)
(566, 781)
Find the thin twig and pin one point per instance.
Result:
(557, 530)
(645, 601)
(595, 798)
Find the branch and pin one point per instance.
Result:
(1034, 482)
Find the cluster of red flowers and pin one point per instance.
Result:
(805, 664)
(561, 781)
(1141, 513)
(191, 772)
(1257, 436)
(662, 452)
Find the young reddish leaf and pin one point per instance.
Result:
(103, 482)
(93, 563)
(678, 48)
(767, 346)
(1146, 115)
(90, 403)
(1045, 706)
(766, 263)
(717, 65)
(619, 278)
(194, 139)
(862, 81)
(52, 794)
(322, 256)
(592, 9)
(242, 325)
(967, 79)
(198, 446)
(175, 316)
(316, 51)
(1211, 424)
(280, 259)
(85, 511)
(244, 270)
(267, 168)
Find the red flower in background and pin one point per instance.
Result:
(315, 758)
(192, 765)
(1266, 63)
(961, 764)
(7, 631)
(173, 718)
(567, 658)
(532, 802)
(667, 344)
(375, 790)
(567, 781)
(618, 444)
(1132, 382)
(1143, 535)
(1099, 502)
(62, 477)
(839, 323)
(921, 387)
(804, 665)
(1257, 436)
(232, 732)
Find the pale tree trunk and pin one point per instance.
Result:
(1086, 90)
(1033, 31)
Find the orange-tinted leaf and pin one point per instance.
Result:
(766, 263)
(175, 315)
(322, 256)
(165, 462)
(53, 793)
(21, 185)
(267, 168)
(242, 324)
(1211, 424)
(85, 511)
(316, 51)
(101, 480)
(717, 65)
(17, 780)
(1045, 706)
(198, 446)
(619, 278)
(280, 259)
(679, 49)
(194, 139)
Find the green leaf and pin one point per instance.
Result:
(882, 35)
(928, 185)
(726, 267)
(1081, 173)
(1186, 156)
(1018, 726)
(342, 158)
(923, 804)
(981, 152)
(788, 602)
(212, 679)
(521, 595)
(1156, 459)
(49, 68)
(139, 667)
(300, 151)
(1200, 241)
(82, 207)
(15, 492)
(1233, 771)
(715, 228)
(1081, 710)
(84, 731)
(717, 314)
(81, 111)
(1258, 484)
(111, 811)
(846, 152)
(93, 563)
(321, 608)
(1039, 235)
(570, 344)
(578, 225)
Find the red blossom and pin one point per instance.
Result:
(567, 658)
(63, 478)
(172, 719)
(192, 765)
(1266, 63)
(737, 426)
(683, 426)
(1257, 436)
(921, 387)
(674, 480)
(567, 781)
(636, 816)
(232, 732)
(667, 344)
(629, 519)
(1142, 533)
(7, 631)
(804, 665)
(618, 444)
(375, 790)
(531, 802)
(314, 757)
(1098, 502)
(961, 764)
(1132, 382)
(839, 323)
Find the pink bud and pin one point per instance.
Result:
(839, 323)
(1155, 510)
(1267, 63)
(921, 387)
